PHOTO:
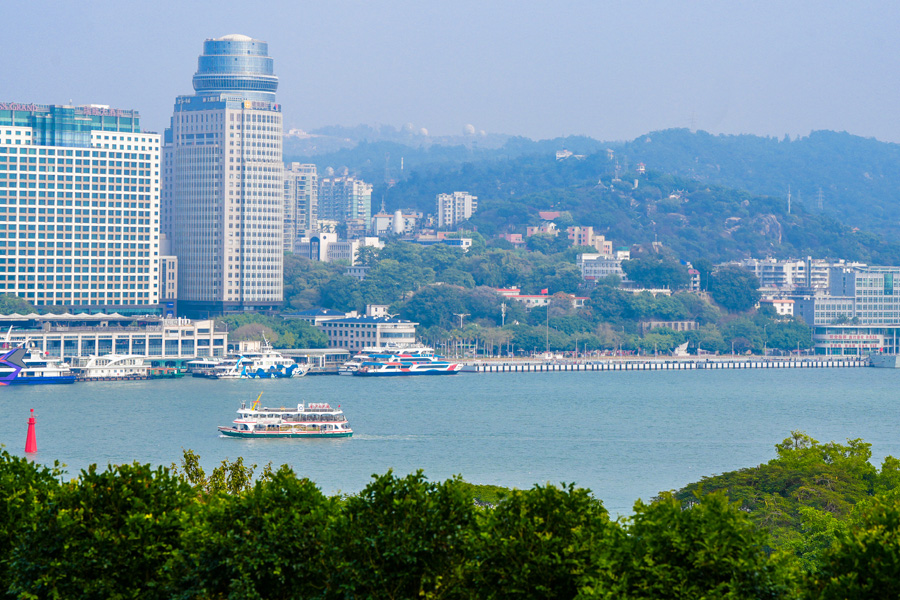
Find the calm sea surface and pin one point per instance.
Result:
(624, 435)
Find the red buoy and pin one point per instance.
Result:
(31, 440)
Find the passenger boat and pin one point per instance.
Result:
(313, 420)
(384, 354)
(265, 364)
(200, 366)
(42, 370)
(408, 366)
(10, 364)
(111, 367)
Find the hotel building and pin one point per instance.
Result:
(223, 192)
(858, 314)
(79, 207)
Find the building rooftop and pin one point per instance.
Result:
(234, 37)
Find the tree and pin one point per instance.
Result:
(267, 542)
(734, 288)
(399, 538)
(107, 534)
(709, 550)
(656, 271)
(10, 303)
(538, 543)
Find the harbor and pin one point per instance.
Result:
(663, 364)
(625, 434)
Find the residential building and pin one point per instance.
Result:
(532, 301)
(301, 202)
(345, 198)
(585, 236)
(455, 208)
(224, 190)
(326, 247)
(598, 266)
(781, 306)
(545, 228)
(79, 335)
(79, 207)
(442, 238)
(646, 326)
(399, 223)
(792, 274)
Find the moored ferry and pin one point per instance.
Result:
(313, 420)
(261, 363)
(44, 370)
(396, 366)
(111, 367)
(385, 353)
(11, 364)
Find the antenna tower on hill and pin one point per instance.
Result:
(819, 203)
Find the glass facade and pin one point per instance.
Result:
(236, 65)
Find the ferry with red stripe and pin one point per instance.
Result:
(408, 366)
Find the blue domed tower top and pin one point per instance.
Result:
(236, 65)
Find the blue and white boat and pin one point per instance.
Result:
(264, 363)
(404, 366)
(11, 363)
(43, 370)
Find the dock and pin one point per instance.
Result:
(653, 364)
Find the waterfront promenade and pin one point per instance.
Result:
(660, 364)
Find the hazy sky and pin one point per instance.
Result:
(610, 70)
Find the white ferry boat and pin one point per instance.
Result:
(314, 420)
(264, 364)
(199, 366)
(408, 366)
(384, 353)
(111, 367)
(41, 370)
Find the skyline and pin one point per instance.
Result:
(611, 72)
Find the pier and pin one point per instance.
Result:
(651, 364)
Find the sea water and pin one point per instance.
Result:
(624, 435)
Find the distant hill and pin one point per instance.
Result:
(694, 218)
(859, 178)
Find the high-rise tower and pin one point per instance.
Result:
(223, 191)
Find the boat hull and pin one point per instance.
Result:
(282, 434)
(42, 380)
(402, 373)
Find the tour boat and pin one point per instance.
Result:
(10, 365)
(408, 366)
(313, 420)
(111, 367)
(41, 369)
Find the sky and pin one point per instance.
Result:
(608, 70)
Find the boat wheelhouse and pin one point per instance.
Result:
(312, 420)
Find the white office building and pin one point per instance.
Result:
(79, 207)
(224, 188)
